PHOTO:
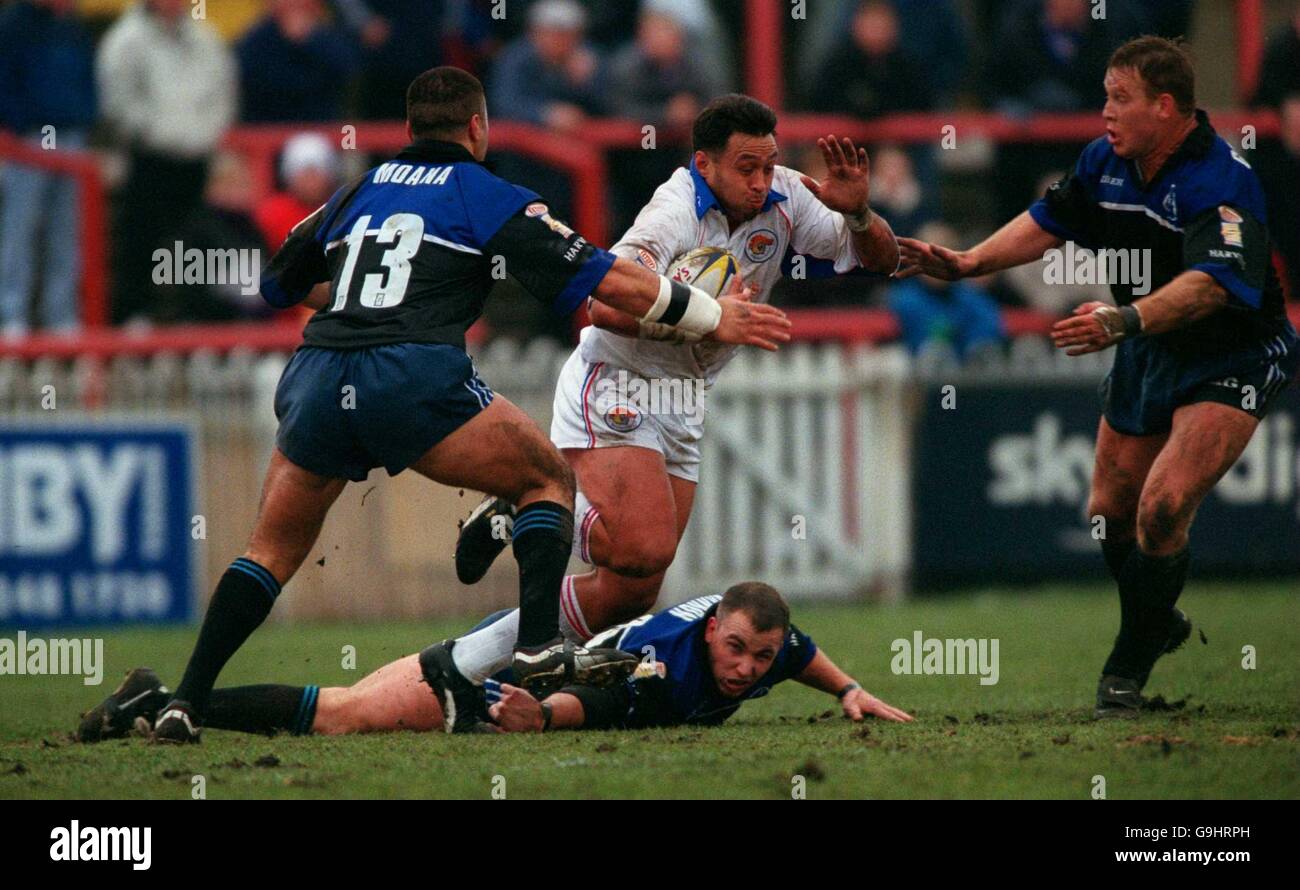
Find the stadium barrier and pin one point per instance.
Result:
(829, 470)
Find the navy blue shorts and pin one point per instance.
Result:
(1149, 381)
(343, 412)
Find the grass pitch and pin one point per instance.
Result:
(1236, 736)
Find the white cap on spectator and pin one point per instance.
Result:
(308, 151)
(566, 15)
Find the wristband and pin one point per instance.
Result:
(546, 715)
(684, 307)
(859, 222)
(849, 687)
(1120, 323)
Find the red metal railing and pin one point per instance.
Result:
(82, 166)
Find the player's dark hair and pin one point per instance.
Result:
(1165, 67)
(441, 101)
(733, 113)
(760, 603)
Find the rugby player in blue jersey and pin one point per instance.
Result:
(703, 659)
(398, 265)
(1203, 347)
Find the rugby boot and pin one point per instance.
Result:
(464, 707)
(177, 724)
(552, 666)
(482, 537)
(1118, 697)
(140, 695)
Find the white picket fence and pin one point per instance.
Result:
(806, 475)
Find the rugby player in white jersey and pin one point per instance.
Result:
(637, 464)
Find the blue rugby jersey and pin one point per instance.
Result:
(413, 247)
(1203, 210)
(688, 692)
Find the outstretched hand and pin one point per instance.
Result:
(847, 186)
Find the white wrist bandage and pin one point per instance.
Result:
(685, 308)
(859, 222)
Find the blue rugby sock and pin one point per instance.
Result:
(242, 600)
(542, 538)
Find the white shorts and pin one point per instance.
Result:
(600, 406)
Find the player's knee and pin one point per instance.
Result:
(1163, 518)
(643, 557)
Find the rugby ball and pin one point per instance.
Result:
(708, 268)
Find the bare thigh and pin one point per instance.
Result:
(1120, 471)
(1206, 440)
(607, 596)
(502, 452)
(395, 697)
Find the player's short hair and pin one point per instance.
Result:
(441, 101)
(733, 113)
(1164, 65)
(760, 603)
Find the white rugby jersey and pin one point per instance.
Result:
(683, 215)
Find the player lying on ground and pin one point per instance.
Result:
(398, 264)
(637, 469)
(713, 654)
(1198, 362)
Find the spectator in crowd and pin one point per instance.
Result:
(1050, 55)
(294, 65)
(167, 85)
(1279, 76)
(869, 73)
(1165, 18)
(47, 80)
(955, 315)
(223, 222)
(399, 39)
(896, 193)
(654, 81)
(309, 169)
(1277, 162)
(549, 77)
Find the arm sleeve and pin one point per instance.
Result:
(1232, 247)
(299, 264)
(664, 230)
(602, 708)
(820, 232)
(1067, 210)
(554, 263)
(797, 653)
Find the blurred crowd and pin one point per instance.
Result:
(158, 86)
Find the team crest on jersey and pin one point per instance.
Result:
(760, 245)
(622, 418)
(1171, 205)
(647, 259)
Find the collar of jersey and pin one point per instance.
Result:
(705, 199)
(1196, 145)
(436, 151)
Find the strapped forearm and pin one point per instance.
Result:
(874, 243)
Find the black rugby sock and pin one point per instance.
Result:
(243, 599)
(264, 709)
(1116, 553)
(1123, 653)
(1154, 584)
(542, 538)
